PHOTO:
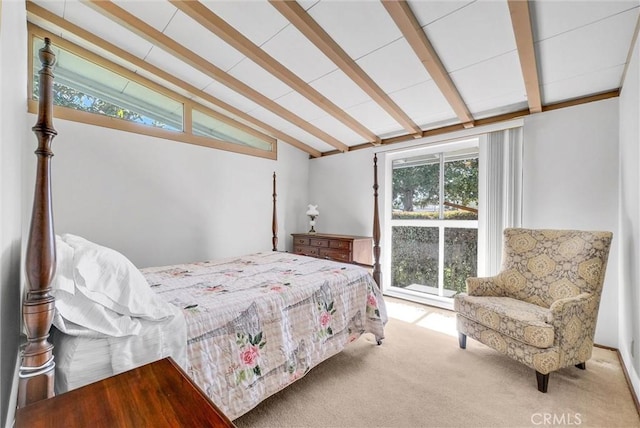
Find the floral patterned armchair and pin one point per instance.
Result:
(541, 309)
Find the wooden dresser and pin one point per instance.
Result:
(155, 395)
(342, 248)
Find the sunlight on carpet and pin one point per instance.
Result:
(439, 320)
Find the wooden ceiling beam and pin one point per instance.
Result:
(521, 22)
(216, 25)
(39, 12)
(408, 24)
(291, 10)
(139, 27)
(490, 120)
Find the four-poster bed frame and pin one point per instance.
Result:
(36, 375)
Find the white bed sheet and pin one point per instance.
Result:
(81, 360)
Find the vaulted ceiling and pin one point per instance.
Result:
(331, 76)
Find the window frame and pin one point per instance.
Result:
(388, 222)
(185, 136)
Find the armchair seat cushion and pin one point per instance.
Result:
(526, 322)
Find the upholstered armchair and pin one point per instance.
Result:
(541, 309)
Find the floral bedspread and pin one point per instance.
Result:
(257, 323)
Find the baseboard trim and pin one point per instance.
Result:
(628, 379)
(608, 348)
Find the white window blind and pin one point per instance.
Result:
(500, 194)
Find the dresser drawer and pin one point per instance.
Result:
(306, 251)
(341, 256)
(319, 242)
(300, 241)
(339, 244)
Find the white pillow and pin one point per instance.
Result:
(100, 289)
(63, 279)
(76, 315)
(109, 278)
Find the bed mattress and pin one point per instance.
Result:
(81, 360)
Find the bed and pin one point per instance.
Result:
(251, 325)
(242, 328)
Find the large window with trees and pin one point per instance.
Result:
(433, 220)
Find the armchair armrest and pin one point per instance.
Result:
(583, 306)
(574, 320)
(487, 286)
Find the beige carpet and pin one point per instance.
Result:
(420, 378)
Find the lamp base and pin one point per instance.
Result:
(312, 230)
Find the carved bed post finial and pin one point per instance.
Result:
(274, 218)
(376, 225)
(37, 368)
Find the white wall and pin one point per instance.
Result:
(342, 186)
(570, 180)
(13, 134)
(161, 202)
(629, 242)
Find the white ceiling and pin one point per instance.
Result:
(581, 48)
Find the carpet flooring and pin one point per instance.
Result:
(419, 377)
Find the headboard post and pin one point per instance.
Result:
(376, 225)
(37, 368)
(274, 218)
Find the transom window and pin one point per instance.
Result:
(83, 85)
(91, 89)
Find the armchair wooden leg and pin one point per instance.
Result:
(543, 381)
(582, 366)
(462, 340)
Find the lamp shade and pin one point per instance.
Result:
(313, 210)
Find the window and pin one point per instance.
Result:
(433, 220)
(209, 126)
(445, 210)
(91, 89)
(83, 85)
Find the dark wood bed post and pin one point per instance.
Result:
(274, 218)
(376, 225)
(37, 368)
